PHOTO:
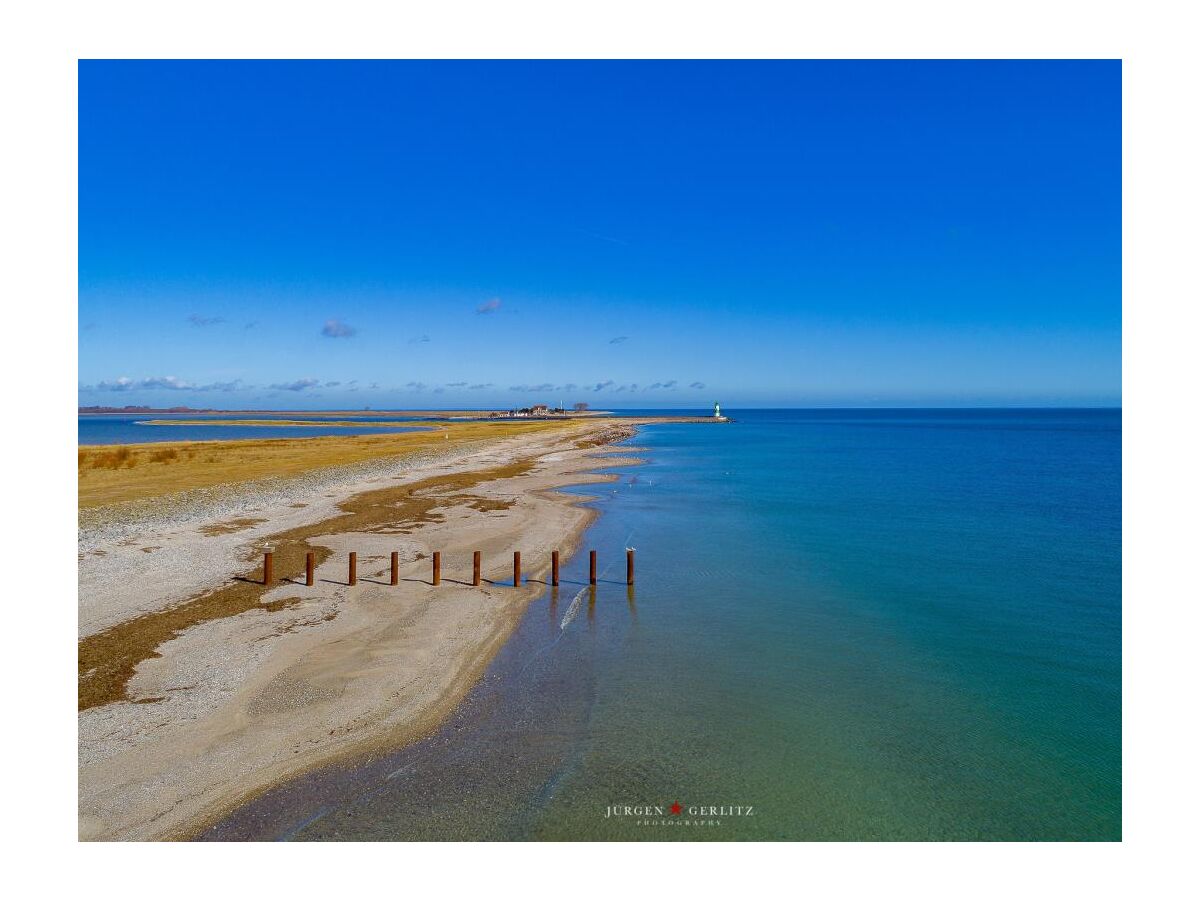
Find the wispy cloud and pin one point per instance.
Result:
(698, 385)
(335, 328)
(489, 306)
(619, 339)
(603, 237)
(531, 388)
(602, 385)
(164, 383)
(480, 387)
(199, 321)
(661, 385)
(301, 384)
(332, 383)
(250, 325)
(457, 384)
(423, 339)
(416, 385)
(235, 385)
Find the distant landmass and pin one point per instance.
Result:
(142, 409)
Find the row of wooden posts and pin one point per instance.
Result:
(310, 564)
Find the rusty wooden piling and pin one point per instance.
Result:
(478, 564)
(395, 567)
(554, 568)
(592, 567)
(516, 568)
(628, 566)
(437, 567)
(353, 568)
(310, 562)
(268, 567)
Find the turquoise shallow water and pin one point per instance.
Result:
(863, 625)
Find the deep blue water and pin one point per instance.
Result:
(900, 624)
(121, 429)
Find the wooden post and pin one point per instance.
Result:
(592, 567)
(354, 568)
(395, 567)
(478, 563)
(268, 566)
(516, 568)
(437, 567)
(310, 560)
(554, 568)
(629, 566)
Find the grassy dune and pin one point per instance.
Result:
(112, 474)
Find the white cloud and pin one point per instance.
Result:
(168, 383)
(164, 383)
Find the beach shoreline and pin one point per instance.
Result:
(297, 678)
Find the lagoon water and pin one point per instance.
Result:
(122, 429)
(896, 624)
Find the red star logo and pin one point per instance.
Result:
(676, 809)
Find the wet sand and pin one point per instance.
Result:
(264, 684)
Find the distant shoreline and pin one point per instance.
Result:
(310, 413)
(274, 423)
(299, 423)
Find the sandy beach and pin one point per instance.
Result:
(200, 688)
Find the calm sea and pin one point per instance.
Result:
(121, 429)
(863, 625)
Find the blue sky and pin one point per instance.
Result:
(630, 234)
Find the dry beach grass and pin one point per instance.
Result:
(116, 474)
